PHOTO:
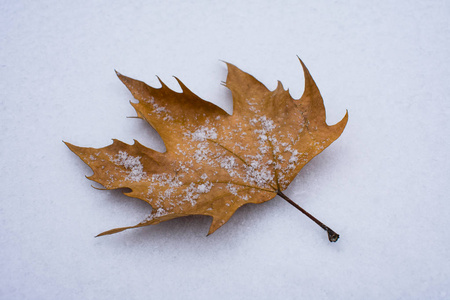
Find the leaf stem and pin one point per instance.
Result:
(332, 236)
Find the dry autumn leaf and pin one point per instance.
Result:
(215, 162)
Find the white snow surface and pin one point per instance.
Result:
(383, 185)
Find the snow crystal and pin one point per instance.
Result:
(267, 124)
(135, 170)
(204, 133)
(232, 188)
(201, 154)
(166, 179)
(262, 137)
(294, 157)
(192, 193)
(160, 212)
(204, 187)
(260, 175)
(251, 105)
(158, 109)
(150, 190)
(264, 149)
(228, 163)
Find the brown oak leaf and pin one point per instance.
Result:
(215, 162)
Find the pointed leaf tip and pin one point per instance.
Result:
(183, 87)
(163, 85)
(118, 73)
(279, 86)
(112, 231)
(342, 123)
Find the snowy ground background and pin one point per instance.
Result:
(383, 185)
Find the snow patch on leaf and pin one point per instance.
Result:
(135, 170)
(204, 133)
